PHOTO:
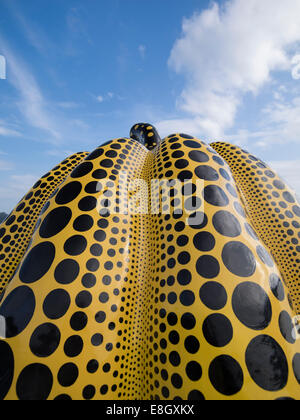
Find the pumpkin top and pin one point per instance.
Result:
(145, 134)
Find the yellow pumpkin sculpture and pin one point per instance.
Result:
(152, 302)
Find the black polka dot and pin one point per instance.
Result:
(17, 310)
(227, 224)
(45, 340)
(95, 154)
(78, 321)
(288, 197)
(73, 346)
(87, 203)
(67, 271)
(215, 196)
(55, 222)
(83, 223)
(265, 256)
(56, 304)
(184, 277)
(68, 193)
(192, 344)
(177, 381)
(37, 263)
(207, 173)
(226, 375)
(296, 367)
(213, 295)
(208, 267)
(204, 241)
(92, 366)
(6, 369)
(82, 170)
(68, 375)
(34, 383)
(75, 245)
(287, 328)
(198, 156)
(194, 371)
(88, 392)
(239, 259)
(277, 287)
(196, 396)
(252, 306)
(187, 298)
(100, 174)
(188, 321)
(83, 299)
(267, 363)
(217, 330)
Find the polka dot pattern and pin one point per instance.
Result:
(274, 212)
(17, 230)
(122, 305)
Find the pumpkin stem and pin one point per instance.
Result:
(145, 134)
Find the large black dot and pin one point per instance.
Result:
(296, 367)
(215, 196)
(207, 173)
(68, 374)
(217, 330)
(73, 346)
(194, 371)
(267, 363)
(252, 306)
(75, 245)
(67, 271)
(37, 263)
(226, 375)
(55, 222)
(265, 256)
(204, 241)
(45, 340)
(198, 156)
(227, 224)
(6, 369)
(277, 287)
(287, 327)
(17, 310)
(68, 193)
(34, 383)
(56, 304)
(213, 295)
(82, 170)
(239, 259)
(208, 267)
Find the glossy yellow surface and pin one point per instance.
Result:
(145, 306)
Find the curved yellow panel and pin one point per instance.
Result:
(16, 231)
(122, 295)
(273, 209)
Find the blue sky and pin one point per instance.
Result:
(79, 73)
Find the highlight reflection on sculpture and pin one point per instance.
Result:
(148, 306)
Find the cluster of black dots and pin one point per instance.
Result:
(16, 231)
(273, 209)
(147, 306)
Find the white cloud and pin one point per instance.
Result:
(100, 99)
(227, 52)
